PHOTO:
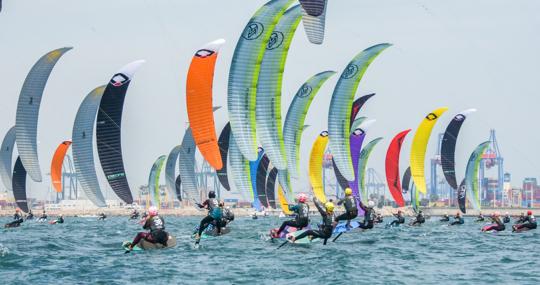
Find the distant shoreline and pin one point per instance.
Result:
(245, 212)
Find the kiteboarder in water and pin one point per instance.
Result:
(480, 217)
(327, 225)
(506, 218)
(379, 218)
(458, 220)
(43, 217)
(214, 215)
(17, 219)
(102, 217)
(156, 226)
(445, 218)
(497, 225)
(521, 218)
(351, 210)
(400, 219)
(134, 214)
(369, 215)
(528, 222)
(302, 216)
(228, 215)
(30, 215)
(420, 219)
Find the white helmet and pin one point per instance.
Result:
(371, 204)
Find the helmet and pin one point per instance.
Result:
(371, 204)
(211, 194)
(348, 191)
(302, 198)
(529, 213)
(329, 206)
(152, 211)
(17, 209)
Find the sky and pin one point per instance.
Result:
(459, 54)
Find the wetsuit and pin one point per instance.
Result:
(351, 210)
(17, 221)
(134, 215)
(369, 217)
(498, 225)
(480, 218)
(60, 220)
(325, 228)
(419, 219)
(506, 219)
(521, 219)
(30, 216)
(445, 218)
(157, 233)
(42, 218)
(379, 219)
(301, 220)
(530, 223)
(102, 217)
(458, 220)
(400, 220)
(214, 215)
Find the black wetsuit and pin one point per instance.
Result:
(480, 218)
(498, 225)
(102, 217)
(134, 215)
(30, 216)
(529, 222)
(419, 219)
(325, 228)
(60, 220)
(379, 219)
(400, 220)
(43, 217)
(214, 215)
(351, 210)
(157, 233)
(458, 220)
(506, 219)
(521, 219)
(445, 218)
(301, 220)
(369, 217)
(17, 221)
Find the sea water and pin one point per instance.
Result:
(88, 251)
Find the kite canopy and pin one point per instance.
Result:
(268, 102)
(406, 181)
(314, 18)
(199, 101)
(19, 185)
(448, 147)
(419, 146)
(253, 166)
(260, 183)
(6, 156)
(339, 114)
(240, 170)
(108, 130)
(28, 110)
(187, 167)
(362, 166)
(223, 143)
(392, 167)
(356, 140)
(170, 173)
(153, 180)
(82, 148)
(283, 201)
(271, 187)
(296, 115)
(244, 74)
(57, 163)
(316, 166)
(471, 175)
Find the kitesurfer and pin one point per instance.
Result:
(506, 218)
(529, 222)
(60, 219)
(30, 215)
(43, 217)
(369, 215)
(156, 226)
(254, 216)
(445, 218)
(351, 209)
(327, 225)
(458, 220)
(497, 225)
(378, 218)
(302, 216)
(214, 214)
(17, 219)
(228, 215)
(480, 217)
(134, 214)
(420, 219)
(102, 217)
(400, 219)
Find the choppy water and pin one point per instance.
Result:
(87, 251)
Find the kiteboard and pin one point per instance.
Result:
(304, 241)
(284, 233)
(146, 245)
(520, 230)
(210, 231)
(342, 227)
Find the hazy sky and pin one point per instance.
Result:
(459, 54)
